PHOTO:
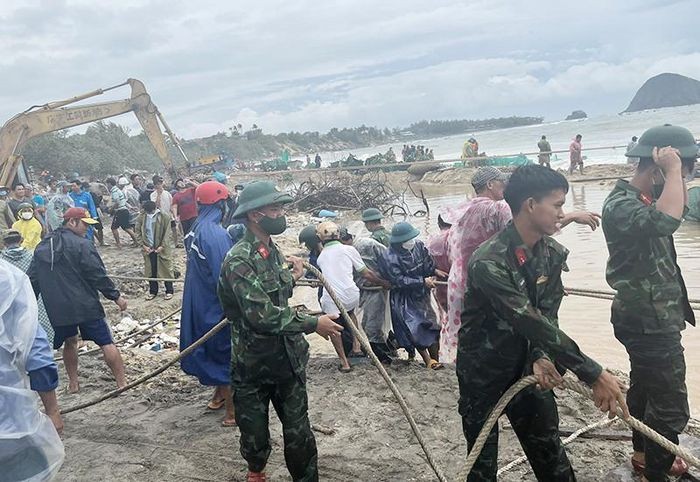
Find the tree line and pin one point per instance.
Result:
(107, 148)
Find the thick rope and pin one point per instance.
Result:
(578, 387)
(592, 426)
(141, 278)
(129, 337)
(218, 327)
(360, 334)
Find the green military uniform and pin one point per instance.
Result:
(510, 319)
(268, 352)
(381, 235)
(648, 313)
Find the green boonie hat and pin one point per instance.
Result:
(308, 235)
(259, 194)
(372, 214)
(662, 136)
(402, 232)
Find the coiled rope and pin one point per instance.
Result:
(360, 334)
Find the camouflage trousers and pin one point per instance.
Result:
(657, 394)
(288, 397)
(535, 420)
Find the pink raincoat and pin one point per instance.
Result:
(481, 219)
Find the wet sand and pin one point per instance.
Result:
(162, 431)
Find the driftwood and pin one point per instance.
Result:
(346, 191)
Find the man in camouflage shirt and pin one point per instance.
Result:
(651, 304)
(510, 329)
(372, 218)
(268, 349)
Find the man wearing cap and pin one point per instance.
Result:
(269, 352)
(651, 306)
(58, 205)
(69, 274)
(337, 262)
(486, 215)
(410, 270)
(372, 218)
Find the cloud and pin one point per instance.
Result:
(309, 65)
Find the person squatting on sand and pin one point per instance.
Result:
(268, 349)
(510, 329)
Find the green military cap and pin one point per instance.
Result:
(662, 136)
(259, 194)
(372, 214)
(308, 236)
(402, 232)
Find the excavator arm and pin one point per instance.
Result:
(54, 116)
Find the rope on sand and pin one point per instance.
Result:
(592, 426)
(580, 388)
(360, 334)
(141, 278)
(218, 327)
(129, 337)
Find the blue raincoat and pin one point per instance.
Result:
(413, 318)
(206, 245)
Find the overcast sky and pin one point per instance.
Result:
(311, 65)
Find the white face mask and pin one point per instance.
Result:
(408, 245)
(27, 215)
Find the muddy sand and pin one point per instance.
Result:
(161, 430)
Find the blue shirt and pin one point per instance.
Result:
(84, 200)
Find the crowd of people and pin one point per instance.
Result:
(483, 294)
(412, 153)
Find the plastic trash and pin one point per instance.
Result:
(127, 325)
(30, 448)
(325, 213)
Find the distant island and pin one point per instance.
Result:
(109, 148)
(577, 114)
(666, 90)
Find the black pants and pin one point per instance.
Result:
(187, 225)
(153, 285)
(535, 420)
(657, 394)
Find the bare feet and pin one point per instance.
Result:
(73, 386)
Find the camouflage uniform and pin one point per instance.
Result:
(268, 355)
(648, 313)
(509, 321)
(381, 235)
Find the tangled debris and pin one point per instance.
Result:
(342, 190)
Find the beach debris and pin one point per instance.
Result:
(127, 325)
(343, 190)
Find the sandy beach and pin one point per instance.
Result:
(162, 431)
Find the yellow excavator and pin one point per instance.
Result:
(54, 116)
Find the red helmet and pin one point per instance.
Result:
(210, 192)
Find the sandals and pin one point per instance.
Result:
(150, 296)
(228, 423)
(678, 468)
(168, 296)
(434, 365)
(216, 404)
(343, 369)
